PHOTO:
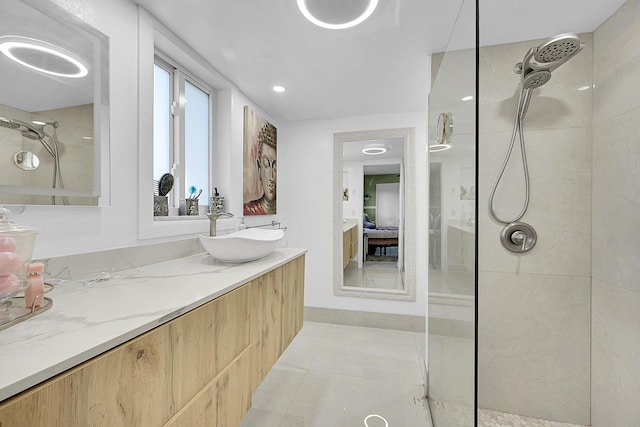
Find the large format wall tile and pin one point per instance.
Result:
(534, 336)
(617, 63)
(560, 202)
(616, 201)
(616, 356)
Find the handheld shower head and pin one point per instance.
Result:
(535, 79)
(540, 61)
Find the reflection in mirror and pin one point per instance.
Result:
(54, 107)
(374, 222)
(26, 160)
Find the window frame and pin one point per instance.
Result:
(179, 75)
(153, 36)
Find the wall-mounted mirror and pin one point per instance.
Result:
(374, 214)
(54, 104)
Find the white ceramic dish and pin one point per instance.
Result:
(242, 246)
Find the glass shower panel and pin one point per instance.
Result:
(452, 226)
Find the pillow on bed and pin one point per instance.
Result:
(366, 223)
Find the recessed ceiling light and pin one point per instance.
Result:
(279, 89)
(337, 15)
(374, 149)
(42, 56)
(434, 148)
(467, 98)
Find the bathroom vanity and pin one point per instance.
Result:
(179, 343)
(349, 241)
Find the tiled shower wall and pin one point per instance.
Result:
(534, 309)
(75, 150)
(616, 221)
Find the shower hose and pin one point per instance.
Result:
(523, 103)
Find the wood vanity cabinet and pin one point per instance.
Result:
(349, 245)
(196, 370)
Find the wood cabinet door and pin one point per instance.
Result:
(293, 300)
(205, 340)
(346, 248)
(223, 401)
(109, 390)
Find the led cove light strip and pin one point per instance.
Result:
(33, 44)
(302, 5)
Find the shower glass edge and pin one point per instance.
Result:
(452, 288)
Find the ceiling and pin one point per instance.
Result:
(377, 67)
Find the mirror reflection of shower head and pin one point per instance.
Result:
(31, 131)
(8, 123)
(27, 130)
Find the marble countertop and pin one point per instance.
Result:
(95, 314)
(348, 223)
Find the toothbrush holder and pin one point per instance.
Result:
(160, 206)
(189, 207)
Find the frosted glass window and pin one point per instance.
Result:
(196, 139)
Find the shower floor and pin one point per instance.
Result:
(488, 418)
(451, 415)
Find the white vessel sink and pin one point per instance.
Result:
(242, 246)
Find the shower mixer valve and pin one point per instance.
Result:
(518, 237)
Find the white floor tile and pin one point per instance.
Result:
(336, 375)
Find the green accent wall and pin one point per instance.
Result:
(370, 182)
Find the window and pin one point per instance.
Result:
(181, 131)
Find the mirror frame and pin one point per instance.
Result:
(409, 247)
(101, 115)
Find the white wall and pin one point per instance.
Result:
(306, 198)
(69, 230)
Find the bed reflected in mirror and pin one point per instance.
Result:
(378, 194)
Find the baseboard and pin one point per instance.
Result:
(399, 322)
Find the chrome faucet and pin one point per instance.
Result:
(213, 217)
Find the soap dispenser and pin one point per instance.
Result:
(16, 247)
(216, 204)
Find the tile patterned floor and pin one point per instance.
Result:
(335, 375)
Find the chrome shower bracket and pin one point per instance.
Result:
(518, 237)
